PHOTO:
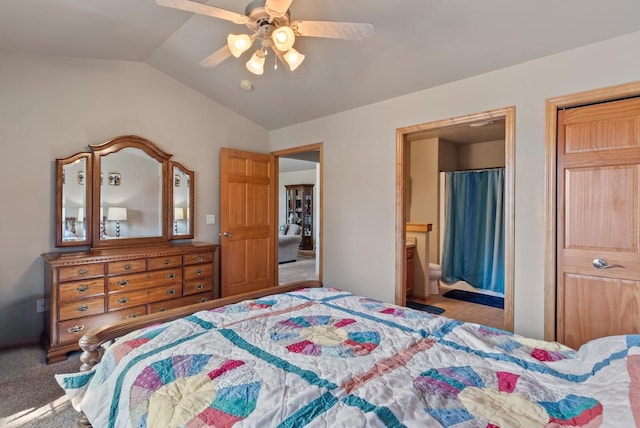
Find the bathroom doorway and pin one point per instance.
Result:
(473, 142)
(299, 213)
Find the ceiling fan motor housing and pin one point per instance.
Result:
(259, 18)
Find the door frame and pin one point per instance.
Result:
(552, 106)
(508, 114)
(319, 244)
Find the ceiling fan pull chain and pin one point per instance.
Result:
(275, 62)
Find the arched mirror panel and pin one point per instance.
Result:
(125, 192)
(182, 196)
(73, 200)
(131, 194)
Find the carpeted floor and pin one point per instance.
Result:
(29, 394)
(300, 270)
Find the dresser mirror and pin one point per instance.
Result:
(181, 200)
(125, 192)
(73, 207)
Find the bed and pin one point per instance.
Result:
(322, 357)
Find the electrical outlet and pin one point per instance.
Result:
(40, 305)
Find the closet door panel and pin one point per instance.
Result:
(598, 254)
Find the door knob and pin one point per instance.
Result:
(226, 234)
(602, 264)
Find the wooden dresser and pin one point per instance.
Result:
(87, 289)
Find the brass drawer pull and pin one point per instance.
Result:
(199, 258)
(166, 262)
(133, 316)
(123, 300)
(75, 329)
(82, 272)
(128, 266)
(82, 288)
(199, 286)
(199, 271)
(123, 282)
(82, 308)
(161, 309)
(204, 299)
(171, 292)
(171, 275)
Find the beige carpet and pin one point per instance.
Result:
(29, 394)
(300, 270)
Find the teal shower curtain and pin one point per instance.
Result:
(473, 248)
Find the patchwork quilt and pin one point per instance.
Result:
(327, 358)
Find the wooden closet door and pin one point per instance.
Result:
(598, 214)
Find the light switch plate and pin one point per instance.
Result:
(211, 219)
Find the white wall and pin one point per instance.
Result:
(489, 154)
(53, 107)
(359, 160)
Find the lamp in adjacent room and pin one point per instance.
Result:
(178, 214)
(117, 214)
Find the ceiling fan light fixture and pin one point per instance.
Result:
(256, 63)
(293, 58)
(283, 38)
(238, 43)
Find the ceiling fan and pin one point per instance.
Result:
(270, 23)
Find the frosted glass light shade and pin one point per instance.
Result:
(283, 38)
(256, 63)
(293, 58)
(238, 44)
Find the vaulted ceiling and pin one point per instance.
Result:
(418, 44)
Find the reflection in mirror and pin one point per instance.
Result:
(72, 227)
(182, 197)
(130, 195)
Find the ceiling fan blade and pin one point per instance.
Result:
(217, 57)
(277, 8)
(204, 9)
(333, 30)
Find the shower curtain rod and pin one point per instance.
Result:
(476, 169)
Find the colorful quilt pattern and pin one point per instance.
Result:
(326, 358)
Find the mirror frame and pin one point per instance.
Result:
(192, 186)
(60, 164)
(93, 195)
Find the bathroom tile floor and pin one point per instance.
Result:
(465, 311)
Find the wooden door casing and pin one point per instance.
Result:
(247, 224)
(598, 159)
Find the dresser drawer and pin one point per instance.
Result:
(74, 273)
(81, 308)
(155, 263)
(78, 289)
(198, 271)
(195, 258)
(138, 281)
(176, 303)
(193, 286)
(126, 266)
(72, 330)
(140, 297)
